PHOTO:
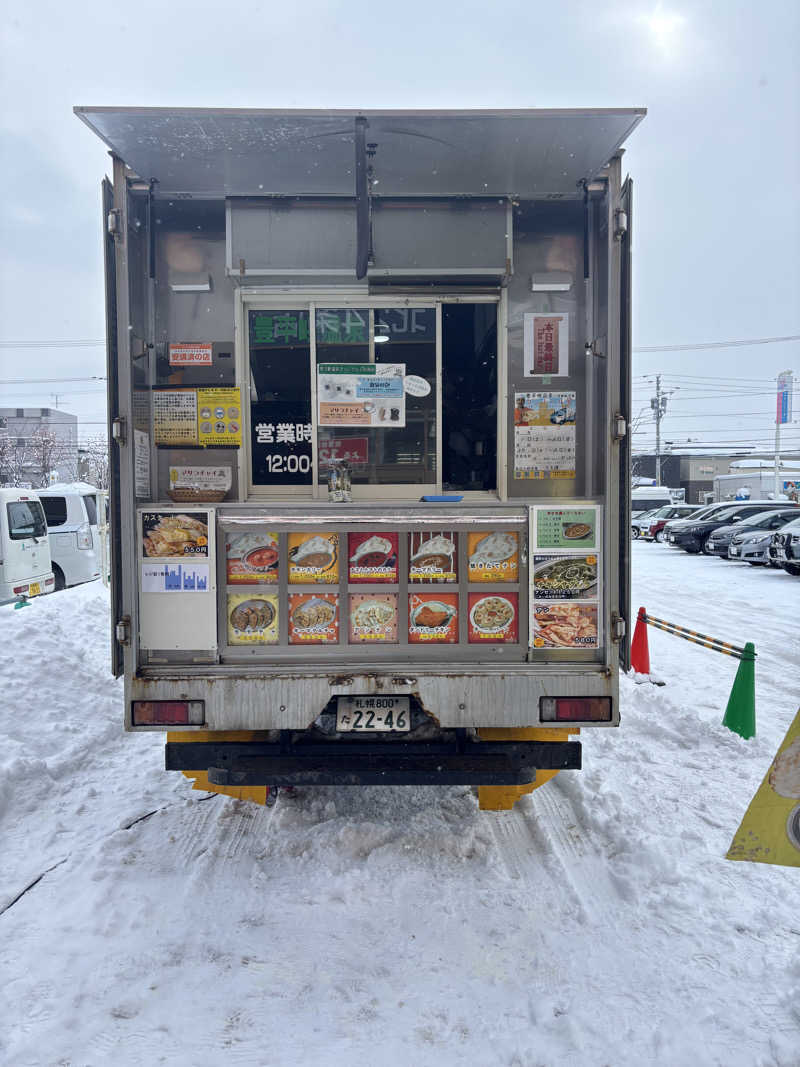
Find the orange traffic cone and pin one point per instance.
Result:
(640, 652)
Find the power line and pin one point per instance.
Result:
(51, 344)
(50, 381)
(719, 344)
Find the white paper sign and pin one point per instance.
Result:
(214, 478)
(544, 435)
(546, 345)
(361, 394)
(141, 463)
(416, 386)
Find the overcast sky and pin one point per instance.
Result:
(715, 163)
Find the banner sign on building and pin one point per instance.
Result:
(784, 407)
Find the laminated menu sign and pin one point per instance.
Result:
(493, 618)
(175, 416)
(372, 557)
(313, 558)
(566, 528)
(433, 617)
(493, 556)
(167, 533)
(252, 620)
(361, 394)
(251, 558)
(557, 577)
(565, 625)
(219, 417)
(433, 557)
(205, 479)
(545, 341)
(373, 618)
(313, 618)
(544, 435)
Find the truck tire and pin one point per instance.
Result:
(58, 574)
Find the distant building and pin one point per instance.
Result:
(694, 470)
(37, 446)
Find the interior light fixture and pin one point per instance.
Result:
(381, 333)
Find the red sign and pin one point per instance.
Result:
(190, 355)
(352, 450)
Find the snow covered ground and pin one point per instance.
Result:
(599, 924)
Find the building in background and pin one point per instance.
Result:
(695, 471)
(38, 446)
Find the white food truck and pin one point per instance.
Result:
(369, 397)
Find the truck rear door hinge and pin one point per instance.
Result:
(118, 430)
(114, 222)
(618, 626)
(122, 631)
(619, 427)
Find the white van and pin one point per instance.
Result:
(71, 513)
(648, 498)
(25, 568)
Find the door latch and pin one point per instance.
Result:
(122, 631)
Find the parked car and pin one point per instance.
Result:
(654, 528)
(640, 521)
(25, 568)
(71, 511)
(784, 548)
(753, 547)
(766, 521)
(691, 534)
(705, 511)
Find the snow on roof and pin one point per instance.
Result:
(69, 487)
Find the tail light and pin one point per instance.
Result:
(575, 709)
(84, 535)
(168, 712)
(21, 588)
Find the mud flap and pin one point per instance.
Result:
(199, 779)
(504, 797)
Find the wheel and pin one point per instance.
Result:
(58, 574)
(755, 563)
(661, 537)
(792, 568)
(634, 532)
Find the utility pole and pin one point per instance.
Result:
(783, 413)
(659, 405)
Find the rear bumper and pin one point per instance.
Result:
(458, 762)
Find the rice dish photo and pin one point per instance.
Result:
(315, 552)
(313, 614)
(372, 614)
(577, 531)
(494, 548)
(372, 552)
(435, 552)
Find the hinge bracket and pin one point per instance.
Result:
(618, 627)
(619, 427)
(118, 430)
(114, 222)
(122, 631)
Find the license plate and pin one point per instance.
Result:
(672, 539)
(34, 589)
(373, 714)
(733, 552)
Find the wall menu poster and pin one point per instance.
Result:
(373, 617)
(313, 618)
(544, 435)
(560, 625)
(252, 620)
(170, 534)
(565, 527)
(433, 617)
(372, 557)
(493, 618)
(175, 416)
(251, 558)
(313, 558)
(545, 340)
(361, 394)
(493, 556)
(557, 577)
(219, 417)
(433, 557)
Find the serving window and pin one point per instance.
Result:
(405, 395)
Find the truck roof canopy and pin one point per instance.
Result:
(216, 152)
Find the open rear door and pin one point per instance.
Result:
(625, 204)
(112, 371)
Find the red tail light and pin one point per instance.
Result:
(575, 709)
(168, 712)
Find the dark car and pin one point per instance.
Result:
(719, 541)
(691, 534)
(654, 529)
(707, 511)
(785, 548)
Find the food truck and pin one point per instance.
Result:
(369, 404)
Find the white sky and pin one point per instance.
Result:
(715, 163)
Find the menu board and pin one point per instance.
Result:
(566, 528)
(313, 558)
(175, 416)
(251, 558)
(361, 394)
(433, 557)
(544, 435)
(493, 618)
(313, 618)
(219, 414)
(433, 617)
(570, 625)
(252, 620)
(493, 556)
(372, 557)
(373, 617)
